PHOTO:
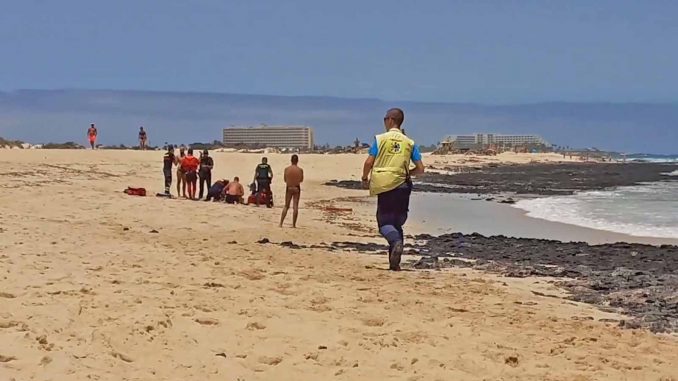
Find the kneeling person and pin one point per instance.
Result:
(235, 192)
(216, 191)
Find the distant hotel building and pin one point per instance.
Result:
(270, 136)
(484, 140)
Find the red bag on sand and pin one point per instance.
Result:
(135, 191)
(264, 199)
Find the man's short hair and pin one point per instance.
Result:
(236, 178)
(397, 114)
(295, 159)
(190, 151)
(264, 160)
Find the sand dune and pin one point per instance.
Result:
(98, 285)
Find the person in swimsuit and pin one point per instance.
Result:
(181, 175)
(190, 166)
(142, 138)
(92, 135)
(293, 178)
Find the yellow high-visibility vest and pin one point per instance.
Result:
(391, 166)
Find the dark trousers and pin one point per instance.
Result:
(205, 182)
(263, 184)
(168, 179)
(392, 209)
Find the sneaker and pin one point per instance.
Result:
(394, 256)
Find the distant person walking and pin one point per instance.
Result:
(92, 135)
(387, 174)
(190, 166)
(206, 165)
(263, 176)
(168, 161)
(143, 138)
(293, 178)
(181, 174)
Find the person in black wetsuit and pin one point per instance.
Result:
(167, 162)
(263, 176)
(205, 172)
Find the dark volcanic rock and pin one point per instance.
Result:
(538, 179)
(638, 280)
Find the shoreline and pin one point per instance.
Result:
(496, 218)
(634, 278)
(103, 284)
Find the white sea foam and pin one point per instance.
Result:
(648, 210)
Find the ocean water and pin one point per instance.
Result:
(648, 210)
(653, 158)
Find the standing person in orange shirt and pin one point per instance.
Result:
(190, 166)
(92, 135)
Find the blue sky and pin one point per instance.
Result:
(446, 51)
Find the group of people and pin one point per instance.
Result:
(93, 133)
(189, 169)
(386, 173)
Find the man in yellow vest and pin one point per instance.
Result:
(389, 165)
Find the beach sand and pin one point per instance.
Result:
(98, 285)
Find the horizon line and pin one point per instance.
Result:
(335, 97)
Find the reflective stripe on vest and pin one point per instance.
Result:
(392, 163)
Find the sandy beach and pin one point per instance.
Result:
(98, 285)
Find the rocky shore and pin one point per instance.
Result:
(640, 281)
(537, 179)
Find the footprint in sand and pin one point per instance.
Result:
(253, 274)
(207, 321)
(270, 360)
(255, 326)
(374, 322)
(4, 358)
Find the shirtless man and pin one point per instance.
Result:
(293, 178)
(235, 192)
(92, 135)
